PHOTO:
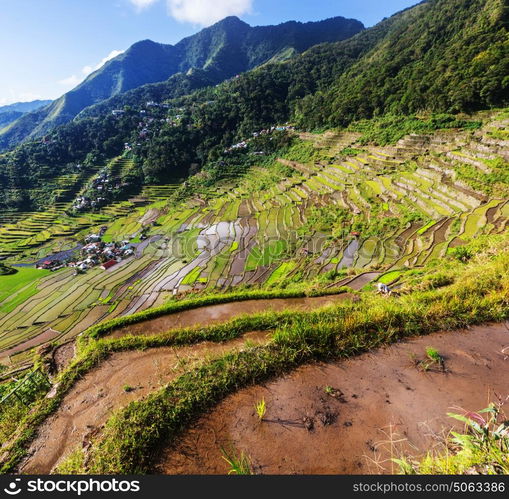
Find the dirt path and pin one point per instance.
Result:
(308, 431)
(215, 314)
(124, 377)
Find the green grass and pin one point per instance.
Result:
(6, 270)
(11, 284)
(192, 277)
(280, 273)
(261, 409)
(480, 295)
(422, 230)
(239, 464)
(391, 276)
(189, 243)
(433, 355)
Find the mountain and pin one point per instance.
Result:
(224, 50)
(24, 107)
(388, 69)
(442, 55)
(9, 117)
(12, 112)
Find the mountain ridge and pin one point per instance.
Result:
(24, 107)
(224, 50)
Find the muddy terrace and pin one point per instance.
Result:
(351, 417)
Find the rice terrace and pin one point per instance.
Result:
(295, 266)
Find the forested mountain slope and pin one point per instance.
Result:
(444, 56)
(440, 56)
(223, 50)
(12, 112)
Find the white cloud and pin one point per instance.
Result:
(143, 4)
(70, 81)
(207, 12)
(74, 80)
(86, 70)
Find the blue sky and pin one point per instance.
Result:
(49, 46)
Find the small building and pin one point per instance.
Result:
(107, 265)
(92, 238)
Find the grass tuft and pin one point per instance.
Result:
(239, 464)
(261, 409)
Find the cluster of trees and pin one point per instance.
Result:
(6, 270)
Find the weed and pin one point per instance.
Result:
(433, 355)
(483, 448)
(239, 464)
(74, 461)
(261, 409)
(461, 253)
(249, 344)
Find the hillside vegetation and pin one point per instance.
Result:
(440, 56)
(189, 237)
(410, 51)
(224, 50)
(12, 112)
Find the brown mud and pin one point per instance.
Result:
(122, 378)
(215, 314)
(341, 417)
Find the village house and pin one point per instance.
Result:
(107, 265)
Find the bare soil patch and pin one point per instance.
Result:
(339, 418)
(122, 378)
(63, 355)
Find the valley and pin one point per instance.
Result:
(416, 204)
(264, 250)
